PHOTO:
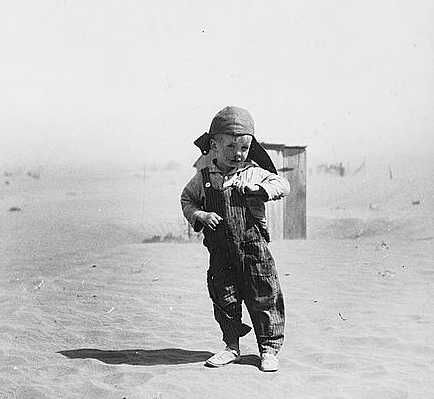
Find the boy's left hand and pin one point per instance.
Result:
(249, 188)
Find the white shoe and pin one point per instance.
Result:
(223, 358)
(269, 362)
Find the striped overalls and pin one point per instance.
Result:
(241, 268)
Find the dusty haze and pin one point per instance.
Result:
(132, 81)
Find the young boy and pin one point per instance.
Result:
(226, 198)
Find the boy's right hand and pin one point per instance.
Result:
(209, 219)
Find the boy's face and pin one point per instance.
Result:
(231, 150)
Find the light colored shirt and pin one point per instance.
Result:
(193, 195)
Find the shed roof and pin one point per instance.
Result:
(273, 146)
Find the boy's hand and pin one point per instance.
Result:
(249, 188)
(209, 219)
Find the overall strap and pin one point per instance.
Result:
(206, 182)
(214, 202)
(206, 179)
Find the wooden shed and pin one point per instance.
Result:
(286, 218)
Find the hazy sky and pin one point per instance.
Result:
(140, 80)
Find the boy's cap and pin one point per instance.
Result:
(234, 121)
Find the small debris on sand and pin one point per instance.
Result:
(38, 284)
(146, 262)
(15, 209)
(169, 237)
(33, 175)
(386, 273)
(417, 202)
(155, 238)
(382, 245)
(342, 317)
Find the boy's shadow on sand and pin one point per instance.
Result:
(150, 357)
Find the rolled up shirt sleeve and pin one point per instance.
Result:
(274, 185)
(192, 201)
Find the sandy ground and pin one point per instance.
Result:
(89, 311)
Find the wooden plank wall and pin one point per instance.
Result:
(294, 219)
(274, 209)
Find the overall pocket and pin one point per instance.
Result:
(257, 259)
(221, 288)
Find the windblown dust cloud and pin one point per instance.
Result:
(108, 81)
